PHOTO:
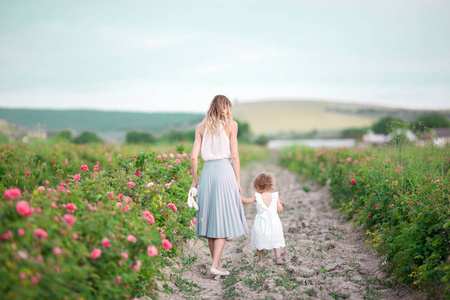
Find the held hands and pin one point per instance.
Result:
(194, 184)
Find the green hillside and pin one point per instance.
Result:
(110, 124)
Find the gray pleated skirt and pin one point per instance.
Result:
(220, 214)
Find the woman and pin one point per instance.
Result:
(221, 213)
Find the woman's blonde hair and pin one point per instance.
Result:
(264, 182)
(219, 111)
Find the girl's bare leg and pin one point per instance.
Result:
(277, 252)
(261, 254)
(218, 246)
(278, 259)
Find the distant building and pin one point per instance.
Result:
(374, 138)
(439, 137)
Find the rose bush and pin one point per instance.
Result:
(401, 194)
(76, 228)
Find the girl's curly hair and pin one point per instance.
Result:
(264, 182)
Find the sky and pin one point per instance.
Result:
(176, 55)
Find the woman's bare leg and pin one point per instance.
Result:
(211, 247)
(219, 244)
(261, 254)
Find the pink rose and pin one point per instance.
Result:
(34, 280)
(69, 219)
(150, 184)
(167, 185)
(130, 184)
(75, 236)
(137, 266)
(96, 168)
(47, 182)
(96, 253)
(349, 159)
(151, 219)
(166, 244)
(76, 177)
(124, 255)
(137, 173)
(105, 242)
(120, 196)
(84, 168)
(21, 232)
(152, 251)
(23, 208)
(41, 188)
(171, 155)
(57, 251)
(194, 220)
(352, 181)
(117, 279)
(40, 234)
(368, 216)
(71, 207)
(163, 236)
(12, 194)
(126, 208)
(172, 206)
(131, 239)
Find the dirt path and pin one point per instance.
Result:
(324, 257)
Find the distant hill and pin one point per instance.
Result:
(109, 124)
(287, 117)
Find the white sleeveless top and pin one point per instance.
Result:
(216, 146)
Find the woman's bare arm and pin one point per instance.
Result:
(235, 153)
(248, 200)
(195, 152)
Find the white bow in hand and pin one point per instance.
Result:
(191, 201)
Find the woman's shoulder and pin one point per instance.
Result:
(200, 127)
(232, 124)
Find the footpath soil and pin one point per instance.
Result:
(325, 257)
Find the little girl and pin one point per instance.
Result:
(267, 232)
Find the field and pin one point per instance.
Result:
(401, 195)
(286, 117)
(91, 222)
(109, 124)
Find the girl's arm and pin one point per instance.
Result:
(194, 156)
(248, 200)
(235, 153)
(279, 205)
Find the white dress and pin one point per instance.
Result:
(267, 232)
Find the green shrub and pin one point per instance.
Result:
(87, 137)
(136, 137)
(262, 140)
(434, 120)
(64, 135)
(401, 194)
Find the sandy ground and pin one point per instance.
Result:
(325, 257)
